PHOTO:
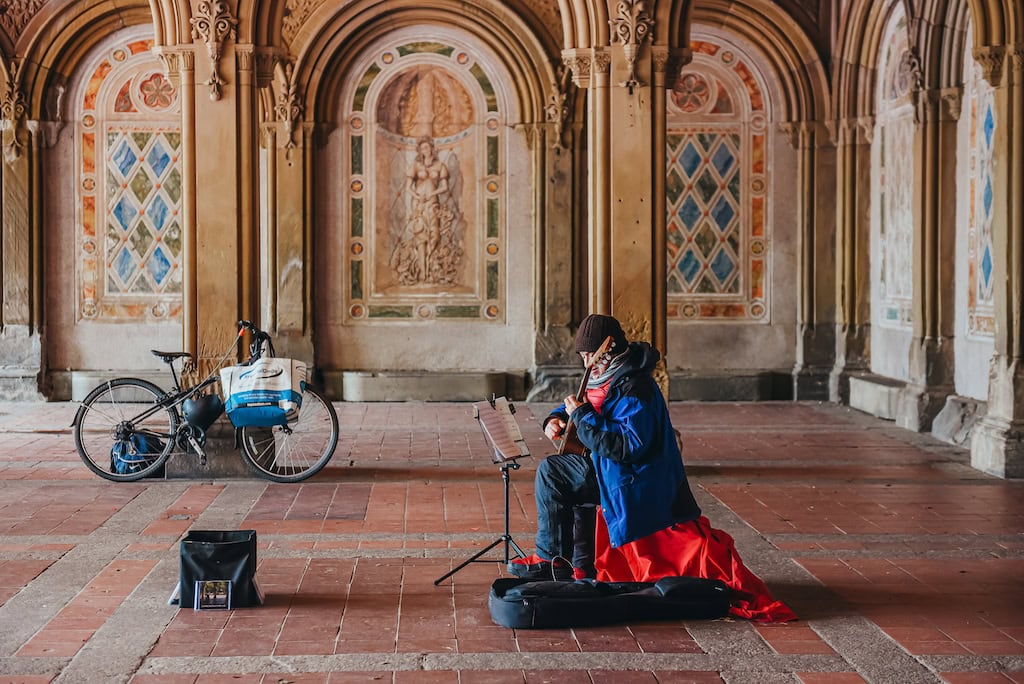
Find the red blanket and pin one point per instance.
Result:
(692, 549)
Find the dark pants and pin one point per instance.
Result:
(567, 495)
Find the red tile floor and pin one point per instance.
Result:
(904, 564)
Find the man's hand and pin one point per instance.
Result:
(554, 429)
(572, 403)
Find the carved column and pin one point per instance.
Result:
(853, 264)
(997, 443)
(214, 266)
(931, 350)
(623, 204)
(15, 210)
(248, 174)
(180, 66)
(20, 234)
(292, 157)
(815, 264)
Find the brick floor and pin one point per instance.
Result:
(903, 563)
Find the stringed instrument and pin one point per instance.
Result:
(570, 443)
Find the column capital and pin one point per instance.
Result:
(991, 58)
(1016, 54)
(577, 60)
(670, 61)
(176, 61)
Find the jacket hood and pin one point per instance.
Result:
(642, 356)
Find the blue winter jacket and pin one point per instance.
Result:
(636, 457)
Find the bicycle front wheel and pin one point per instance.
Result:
(121, 433)
(296, 451)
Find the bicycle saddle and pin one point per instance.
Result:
(168, 357)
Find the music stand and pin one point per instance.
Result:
(507, 444)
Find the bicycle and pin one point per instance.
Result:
(127, 428)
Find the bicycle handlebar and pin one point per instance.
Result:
(258, 338)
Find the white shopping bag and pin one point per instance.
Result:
(268, 392)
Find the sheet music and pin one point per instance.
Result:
(501, 429)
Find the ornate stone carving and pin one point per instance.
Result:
(927, 105)
(1017, 64)
(800, 133)
(602, 61)
(557, 109)
(953, 99)
(908, 77)
(244, 57)
(213, 23)
(266, 59)
(289, 107)
(175, 61)
(671, 62)
(991, 61)
(12, 111)
(15, 14)
(296, 12)
(632, 26)
(866, 127)
(578, 63)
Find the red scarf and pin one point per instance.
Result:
(596, 395)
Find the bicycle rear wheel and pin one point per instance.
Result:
(297, 451)
(121, 434)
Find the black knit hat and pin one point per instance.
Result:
(593, 331)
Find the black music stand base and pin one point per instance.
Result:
(505, 538)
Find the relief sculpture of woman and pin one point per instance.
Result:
(428, 250)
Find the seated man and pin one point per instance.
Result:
(650, 523)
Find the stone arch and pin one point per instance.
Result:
(330, 37)
(65, 33)
(789, 54)
(503, 72)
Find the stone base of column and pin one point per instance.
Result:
(555, 383)
(815, 357)
(997, 448)
(917, 406)
(21, 352)
(811, 383)
(851, 358)
(957, 419)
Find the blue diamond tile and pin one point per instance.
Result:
(987, 197)
(158, 265)
(722, 266)
(124, 265)
(158, 159)
(989, 126)
(723, 160)
(689, 212)
(690, 159)
(986, 267)
(689, 266)
(723, 213)
(124, 158)
(158, 212)
(125, 212)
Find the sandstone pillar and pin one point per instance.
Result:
(626, 202)
(997, 443)
(931, 350)
(853, 258)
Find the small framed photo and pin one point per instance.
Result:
(213, 595)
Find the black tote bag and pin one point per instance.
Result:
(211, 558)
